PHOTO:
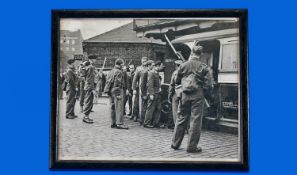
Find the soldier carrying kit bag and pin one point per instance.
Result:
(194, 81)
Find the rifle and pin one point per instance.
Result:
(103, 63)
(182, 58)
(173, 49)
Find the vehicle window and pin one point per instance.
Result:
(230, 57)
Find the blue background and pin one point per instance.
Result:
(25, 81)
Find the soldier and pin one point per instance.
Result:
(139, 87)
(130, 76)
(81, 86)
(89, 76)
(70, 78)
(99, 83)
(172, 94)
(194, 78)
(125, 90)
(114, 89)
(152, 116)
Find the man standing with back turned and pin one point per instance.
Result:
(194, 77)
(114, 88)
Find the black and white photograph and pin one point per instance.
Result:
(133, 89)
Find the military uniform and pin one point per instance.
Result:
(89, 76)
(100, 81)
(173, 97)
(81, 86)
(140, 84)
(152, 116)
(191, 107)
(125, 96)
(71, 79)
(114, 88)
(82, 92)
(128, 98)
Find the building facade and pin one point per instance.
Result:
(70, 45)
(123, 43)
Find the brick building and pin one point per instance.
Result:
(70, 45)
(122, 42)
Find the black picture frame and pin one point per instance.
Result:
(242, 14)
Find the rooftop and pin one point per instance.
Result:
(122, 34)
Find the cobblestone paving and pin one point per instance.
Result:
(98, 141)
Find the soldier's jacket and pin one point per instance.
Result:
(172, 84)
(130, 76)
(114, 82)
(81, 83)
(71, 79)
(140, 80)
(125, 79)
(194, 66)
(89, 76)
(153, 83)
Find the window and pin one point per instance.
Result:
(230, 57)
(67, 41)
(73, 49)
(73, 42)
(67, 48)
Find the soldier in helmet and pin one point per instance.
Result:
(194, 77)
(71, 79)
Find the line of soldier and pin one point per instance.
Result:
(188, 85)
(146, 88)
(141, 88)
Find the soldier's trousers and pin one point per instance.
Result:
(135, 105)
(190, 109)
(142, 107)
(152, 116)
(88, 101)
(128, 98)
(70, 103)
(116, 109)
(81, 97)
(175, 103)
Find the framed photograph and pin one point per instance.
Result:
(149, 89)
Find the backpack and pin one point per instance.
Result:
(194, 81)
(190, 84)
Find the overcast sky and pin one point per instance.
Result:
(92, 27)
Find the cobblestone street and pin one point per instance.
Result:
(80, 141)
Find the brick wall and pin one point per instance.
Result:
(131, 53)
